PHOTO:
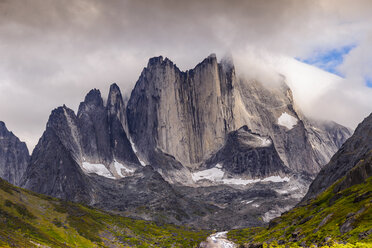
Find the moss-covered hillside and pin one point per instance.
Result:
(330, 219)
(32, 220)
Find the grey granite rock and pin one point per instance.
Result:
(353, 160)
(14, 156)
(189, 114)
(249, 155)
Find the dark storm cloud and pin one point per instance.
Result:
(53, 52)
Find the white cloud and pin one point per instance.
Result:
(53, 52)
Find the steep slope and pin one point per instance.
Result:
(355, 149)
(55, 162)
(14, 156)
(329, 219)
(32, 220)
(337, 207)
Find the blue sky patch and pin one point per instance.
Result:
(328, 60)
(369, 82)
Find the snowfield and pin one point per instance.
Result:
(136, 152)
(287, 120)
(216, 175)
(98, 169)
(119, 167)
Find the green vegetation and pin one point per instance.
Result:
(342, 219)
(28, 219)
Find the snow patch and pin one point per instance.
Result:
(136, 152)
(287, 120)
(276, 179)
(264, 141)
(98, 169)
(239, 181)
(256, 205)
(119, 167)
(246, 201)
(213, 174)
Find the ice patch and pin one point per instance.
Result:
(276, 179)
(119, 167)
(136, 152)
(264, 141)
(282, 192)
(98, 169)
(287, 120)
(239, 181)
(213, 174)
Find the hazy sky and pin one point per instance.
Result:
(53, 52)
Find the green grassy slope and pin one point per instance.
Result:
(319, 222)
(28, 219)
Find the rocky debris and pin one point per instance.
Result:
(306, 219)
(358, 174)
(325, 220)
(365, 234)
(355, 152)
(347, 226)
(255, 245)
(14, 156)
(362, 197)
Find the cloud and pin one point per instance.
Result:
(53, 52)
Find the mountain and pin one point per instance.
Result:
(347, 161)
(189, 115)
(14, 156)
(204, 144)
(93, 141)
(88, 158)
(336, 209)
(33, 220)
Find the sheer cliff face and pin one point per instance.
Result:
(14, 156)
(189, 114)
(186, 114)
